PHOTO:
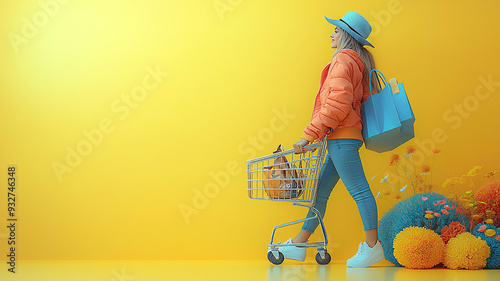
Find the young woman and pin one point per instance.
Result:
(344, 86)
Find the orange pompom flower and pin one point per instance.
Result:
(466, 251)
(418, 247)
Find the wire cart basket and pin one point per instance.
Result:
(289, 177)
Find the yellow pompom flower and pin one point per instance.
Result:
(418, 247)
(466, 251)
(428, 216)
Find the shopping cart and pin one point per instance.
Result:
(299, 188)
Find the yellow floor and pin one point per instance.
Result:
(227, 270)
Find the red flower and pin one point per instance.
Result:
(395, 159)
(411, 149)
(452, 230)
(426, 168)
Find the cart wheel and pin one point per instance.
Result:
(273, 259)
(326, 260)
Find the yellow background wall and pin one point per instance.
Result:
(129, 123)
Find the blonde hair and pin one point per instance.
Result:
(346, 41)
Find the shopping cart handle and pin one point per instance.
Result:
(310, 147)
(307, 148)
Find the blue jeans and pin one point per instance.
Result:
(342, 162)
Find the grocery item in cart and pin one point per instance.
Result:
(283, 179)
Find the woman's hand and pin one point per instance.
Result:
(299, 146)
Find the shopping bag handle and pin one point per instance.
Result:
(378, 74)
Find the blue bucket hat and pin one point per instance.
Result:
(356, 25)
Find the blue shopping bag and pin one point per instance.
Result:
(387, 117)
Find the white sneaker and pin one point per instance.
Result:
(366, 256)
(293, 252)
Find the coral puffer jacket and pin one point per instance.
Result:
(338, 102)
